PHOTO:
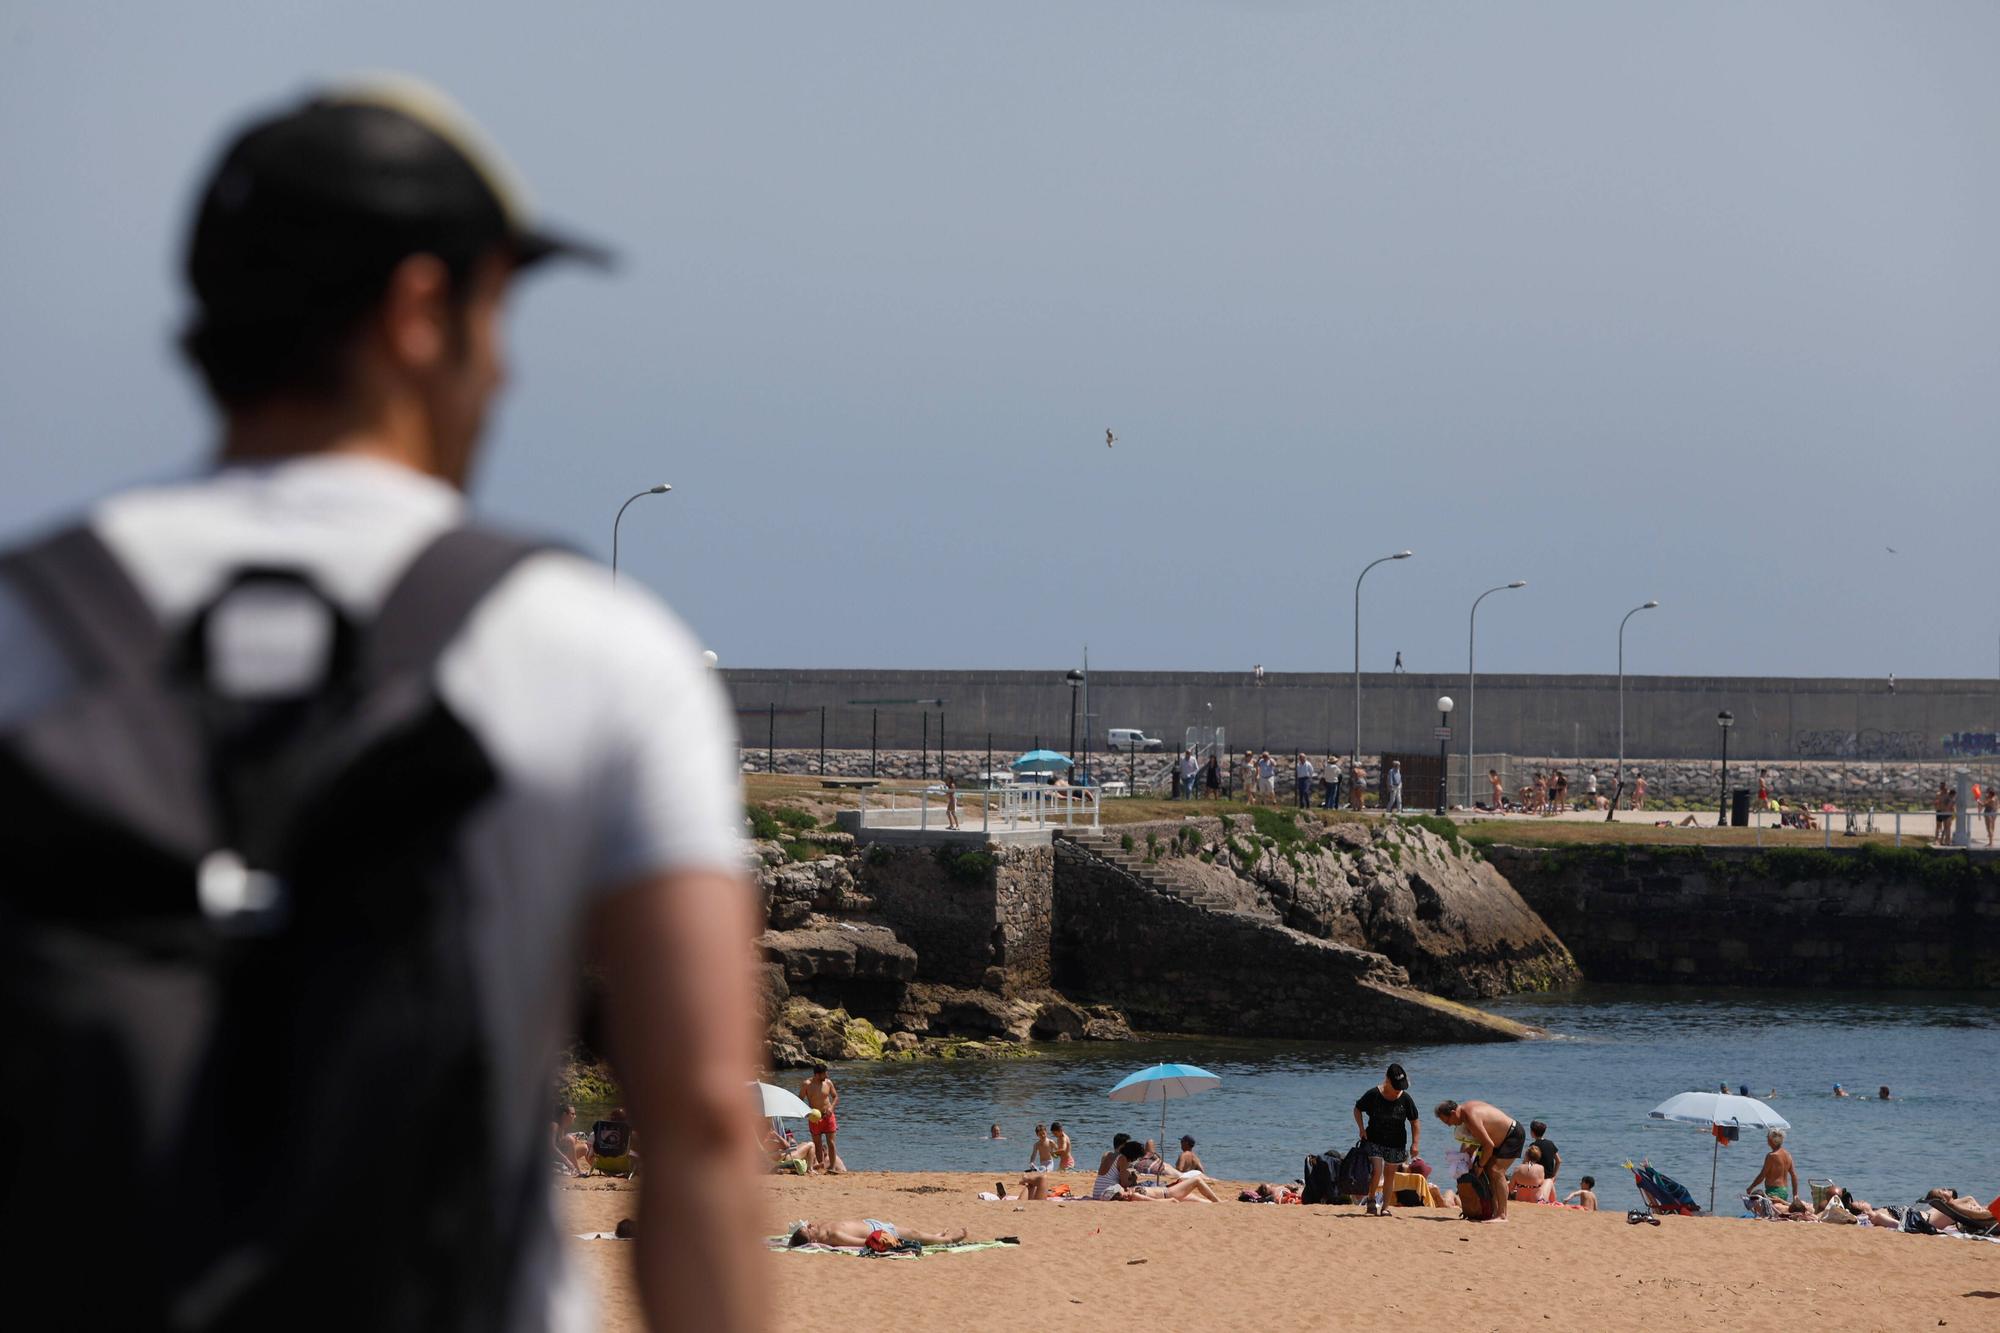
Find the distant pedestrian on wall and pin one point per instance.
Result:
(1499, 794)
(1267, 776)
(1211, 777)
(1638, 790)
(1303, 774)
(1330, 780)
(1395, 785)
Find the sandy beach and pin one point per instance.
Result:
(1189, 1266)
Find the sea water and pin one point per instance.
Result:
(1613, 1055)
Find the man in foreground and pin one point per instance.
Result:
(319, 794)
(1496, 1139)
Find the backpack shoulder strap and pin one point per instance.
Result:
(430, 603)
(86, 601)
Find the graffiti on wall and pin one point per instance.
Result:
(1869, 743)
(1971, 744)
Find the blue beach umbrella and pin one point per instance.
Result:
(1163, 1083)
(1041, 761)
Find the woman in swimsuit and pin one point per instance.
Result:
(1989, 806)
(1118, 1181)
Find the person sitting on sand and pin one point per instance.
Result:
(571, 1151)
(1032, 1184)
(1188, 1163)
(1152, 1164)
(1496, 1139)
(1118, 1181)
(1779, 1177)
(1529, 1182)
(1065, 1152)
(1043, 1156)
(1585, 1198)
(853, 1232)
(786, 1153)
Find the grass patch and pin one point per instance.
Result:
(763, 825)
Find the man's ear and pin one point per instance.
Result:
(415, 318)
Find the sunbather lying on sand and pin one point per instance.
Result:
(855, 1231)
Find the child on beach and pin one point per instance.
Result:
(1043, 1157)
(1065, 1154)
(1585, 1198)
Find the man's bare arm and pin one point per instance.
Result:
(676, 951)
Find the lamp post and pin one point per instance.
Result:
(1725, 720)
(660, 489)
(1471, 633)
(1075, 679)
(1618, 779)
(1444, 749)
(1400, 555)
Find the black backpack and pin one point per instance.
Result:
(234, 953)
(1357, 1172)
(1317, 1179)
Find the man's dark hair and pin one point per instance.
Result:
(1537, 1128)
(1120, 1140)
(1446, 1109)
(819, 1069)
(1590, 1182)
(799, 1238)
(1132, 1150)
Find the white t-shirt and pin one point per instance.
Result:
(614, 744)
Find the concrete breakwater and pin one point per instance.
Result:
(1883, 784)
(1845, 918)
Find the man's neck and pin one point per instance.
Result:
(272, 432)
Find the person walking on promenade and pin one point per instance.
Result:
(1357, 781)
(438, 764)
(1989, 806)
(1638, 790)
(1303, 774)
(1395, 785)
(1590, 791)
(1941, 806)
(1267, 777)
(1499, 794)
(1329, 781)
(1211, 777)
(1391, 1135)
(950, 801)
(1496, 1139)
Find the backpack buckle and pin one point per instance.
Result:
(238, 899)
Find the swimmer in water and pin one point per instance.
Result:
(995, 1133)
(1839, 1091)
(1882, 1094)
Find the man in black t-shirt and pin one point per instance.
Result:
(1391, 1134)
(1551, 1159)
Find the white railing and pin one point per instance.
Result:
(1007, 809)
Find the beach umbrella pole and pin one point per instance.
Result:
(1714, 1159)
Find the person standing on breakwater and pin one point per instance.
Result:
(1246, 778)
(1267, 776)
(417, 766)
(1638, 790)
(1211, 777)
(950, 801)
(820, 1095)
(1499, 795)
(1303, 774)
(1989, 806)
(1395, 785)
(1390, 1135)
(1496, 1138)
(1329, 781)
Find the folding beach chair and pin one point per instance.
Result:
(1663, 1194)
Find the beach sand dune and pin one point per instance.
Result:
(1232, 1265)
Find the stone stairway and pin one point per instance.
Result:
(1107, 848)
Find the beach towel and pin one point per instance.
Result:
(783, 1244)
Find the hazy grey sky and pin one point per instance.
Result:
(1690, 301)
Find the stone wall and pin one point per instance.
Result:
(980, 918)
(1844, 918)
(1668, 716)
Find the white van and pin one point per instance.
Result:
(1131, 738)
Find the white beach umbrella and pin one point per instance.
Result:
(1725, 1109)
(776, 1103)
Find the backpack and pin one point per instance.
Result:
(1318, 1177)
(1357, 1173)
(233, 933)
(1476, 1198)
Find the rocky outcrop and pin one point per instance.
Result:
(1174, 963)
(1417, 896)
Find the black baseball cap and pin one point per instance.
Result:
(1398, 1079)
(314, 205)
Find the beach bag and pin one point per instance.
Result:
(1357, 1172)
(1476, 1198)
(233, 932)
(610, 1138)
(1322, 1171)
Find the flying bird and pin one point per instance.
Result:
(1890, 549)
(1109, 438)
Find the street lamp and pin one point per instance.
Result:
(1444, 748)
(1075, 679)
(1725, 720)
(1618, 781)
(1471, 631)
(660, 489)
(1400, 555)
